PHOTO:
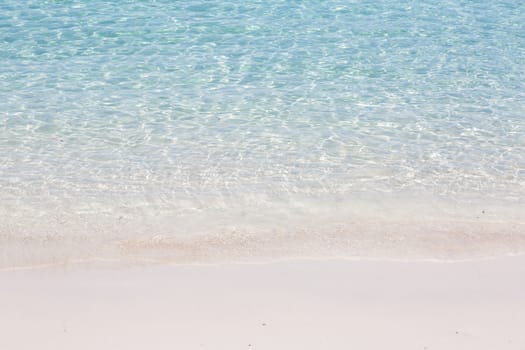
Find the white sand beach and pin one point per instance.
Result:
(302, 304)
(274, 175)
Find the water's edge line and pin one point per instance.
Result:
(114, 264)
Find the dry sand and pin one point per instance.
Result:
(332, 304)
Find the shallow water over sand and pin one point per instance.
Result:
(203, 130)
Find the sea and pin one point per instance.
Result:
(205, 131)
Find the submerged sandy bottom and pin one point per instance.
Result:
(284, 305)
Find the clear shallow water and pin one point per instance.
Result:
(197, 130)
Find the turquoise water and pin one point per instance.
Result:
(199, 130)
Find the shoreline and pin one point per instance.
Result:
(380, 240)
(103, 264)
(303, 304)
